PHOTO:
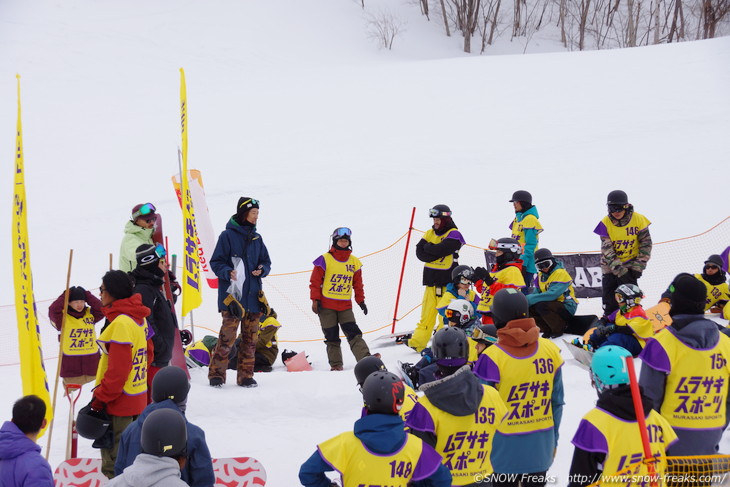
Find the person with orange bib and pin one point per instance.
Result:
(378, 451)
(685, 371)
(608, 439)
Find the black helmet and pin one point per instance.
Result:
(462, 271)
(92, 424)
(439, 211)
(521, 195)
(383, 392)
(170, 383)
(544, 259)
(511, 249)
(366, 366)
(617, 197)
(164, 433)
(450, 343)
(508, 304)
(485, 333)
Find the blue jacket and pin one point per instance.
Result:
(553, 292)
(380, 433)
(240, 241)
(21, 463)
(198, 469)
(528, 256)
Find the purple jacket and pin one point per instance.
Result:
(21, 463)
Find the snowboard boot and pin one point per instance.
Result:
(216, 382)
(248, 382)
(411, 372)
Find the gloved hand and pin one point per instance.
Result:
(234, 307)
(489, 280)
(480, 273)
(635, 274)
(363, 307)
(606, 330)
(186, 337)
(316, 306)
(427, 353)
(98, 408)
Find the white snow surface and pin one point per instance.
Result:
(291, 103)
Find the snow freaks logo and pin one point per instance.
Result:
(515, 478)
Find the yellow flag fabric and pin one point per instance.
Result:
(32, 370)
(191, 295)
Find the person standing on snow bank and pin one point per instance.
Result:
(378, 451)
(625, 247)
(121, 381)
(526, 229)
(137, 231)
(239, 241)
(80, 352)
(439, 250)
(685, 367)
(164, 441)
(21, 462)
(609, 433)
(333, 279)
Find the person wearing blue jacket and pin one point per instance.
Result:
(170, 388)
(553, 303)
(525, 229)
(378, 451)
(21, 462)
(239, 240)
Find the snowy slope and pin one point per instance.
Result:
(291, 103)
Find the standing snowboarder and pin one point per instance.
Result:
(137, 231)
(526, 229)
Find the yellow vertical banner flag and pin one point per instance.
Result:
(191, 296)
(32, 370)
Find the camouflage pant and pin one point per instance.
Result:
(246, 352)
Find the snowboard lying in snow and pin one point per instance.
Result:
(229, 472)
(583, 356)
(397, 337)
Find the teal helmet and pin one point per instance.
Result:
(609, 368)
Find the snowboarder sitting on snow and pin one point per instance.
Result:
(629, 327)
(372, 364)
(462, 279)
(367, 455)
(267, 348)
(609, 433)
(80, 354)
(170, 389)
(553, 303)
(505, 273)
(459, 313)
(334, 277)
(713, 277)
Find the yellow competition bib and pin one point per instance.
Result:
(559, 275)
(526, 386)
(698, 384)
(641, 325)
(411, 399)
(444, 262)
(625, 239)
(714, 293)
(337, 283)
(465, 442)
(528, 222)
(510, 275)
(346, 453)
(123, 330)
(447, 297)
(624, 445)
(79, 335)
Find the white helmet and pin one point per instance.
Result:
(460, 311)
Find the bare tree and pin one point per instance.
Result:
(384, 27)
(713, 12)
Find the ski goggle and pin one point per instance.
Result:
(249, 202)
(494, 245)
(464, 280)
(616, 208)
(342, 232)
(158, 254)
(479, 335)
(146, 209)
(434, 213)
(450, 313)
(544, 264)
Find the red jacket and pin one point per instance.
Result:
(109, 393)
(317, 279)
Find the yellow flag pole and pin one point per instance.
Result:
(60, 350)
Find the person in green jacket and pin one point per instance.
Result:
(137, 231)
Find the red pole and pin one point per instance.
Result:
(403, 270)
(639, 410)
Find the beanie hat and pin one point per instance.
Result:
(688, 295)
(146, 255)
(76, 293)
(715, 259)
(118, 284)
(245, 203)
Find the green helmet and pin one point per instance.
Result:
(609, 367)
